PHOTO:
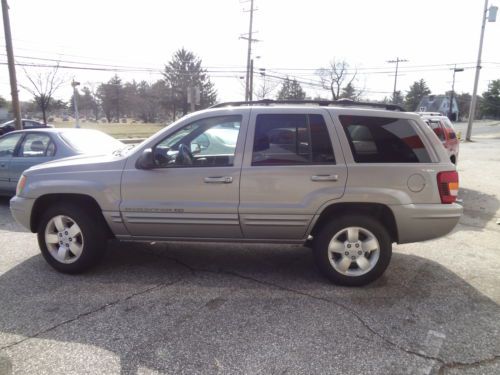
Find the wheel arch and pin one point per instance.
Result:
(44, 201)
(379, 211)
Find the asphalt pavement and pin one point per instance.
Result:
(262, 309)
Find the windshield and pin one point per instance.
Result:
(91, 141)
(7, 123)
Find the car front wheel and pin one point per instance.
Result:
(353, 250)
(71, 239)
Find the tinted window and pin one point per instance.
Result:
(209, 142)
(291, 139)
(8, 144)
(383, 140)
(37, 145)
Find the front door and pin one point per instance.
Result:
(36, 148)
(292, 165)
(193, 191)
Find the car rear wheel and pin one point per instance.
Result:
(353, 250)
(71, 239)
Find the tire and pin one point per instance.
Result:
(82, 246)
(340, 258)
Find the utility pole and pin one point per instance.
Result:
(452, 95)
(472, 110)
(12, 68)
(74, 84)
(250, 91)
(397, 61)
(249, 54)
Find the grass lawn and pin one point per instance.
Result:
(119, 131)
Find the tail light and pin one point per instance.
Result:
(448, 186)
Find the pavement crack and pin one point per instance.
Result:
(309, 295)
(465, 365)
(93, 311)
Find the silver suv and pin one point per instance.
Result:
(348, 179)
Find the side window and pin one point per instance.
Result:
(291, 139)
(8, 144)
(383, 140)
(209, 142)
(37, 145)
(436, 127)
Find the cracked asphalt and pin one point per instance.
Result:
(262, 309)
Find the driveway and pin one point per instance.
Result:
(226, 309)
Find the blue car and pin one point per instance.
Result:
(19, 150)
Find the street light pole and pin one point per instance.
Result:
(16, 108)
(473, 101)
(450, 111)
(75, 103)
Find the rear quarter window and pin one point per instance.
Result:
(384, 140)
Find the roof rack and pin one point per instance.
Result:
(321, 103)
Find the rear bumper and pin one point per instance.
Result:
(20, 209)
(421, 222)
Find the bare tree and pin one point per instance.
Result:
(336, 77)
(266, 88)
(43, 86)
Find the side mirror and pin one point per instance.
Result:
(146, 160)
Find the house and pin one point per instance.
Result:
(439, 103)
(4, 115)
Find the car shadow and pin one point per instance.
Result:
(7, 222)
(156, 305)
(480, 209)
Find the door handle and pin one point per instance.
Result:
(325, 177)
(218, 180)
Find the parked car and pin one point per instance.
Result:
(442, 126)
(10, 126)
(20, 150)
(348, 179)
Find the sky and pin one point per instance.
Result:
(135, 39)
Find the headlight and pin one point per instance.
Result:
(20, 185)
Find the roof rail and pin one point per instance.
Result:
(321, 103)
(430, 114)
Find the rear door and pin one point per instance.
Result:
(8, 145)
(292, 165)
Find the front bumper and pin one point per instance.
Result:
(20, 209)
(421, 222)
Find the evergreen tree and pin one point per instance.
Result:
(417, 91)
(112, 98)
(490, 105)
(88, 105)
(181, 74)
(397, 98)
(291, 89)
(349, 92)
